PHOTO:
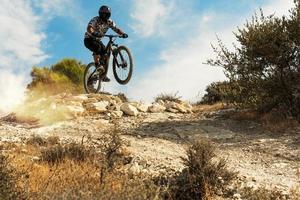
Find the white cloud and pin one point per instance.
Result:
(21, 36)
(150, 16)
(66, 8)
(278, 7)
(182, 67)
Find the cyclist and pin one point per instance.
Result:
(96, 29)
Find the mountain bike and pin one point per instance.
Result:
(122, 64)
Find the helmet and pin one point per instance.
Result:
(104, 13)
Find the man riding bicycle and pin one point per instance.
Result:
(96, 29)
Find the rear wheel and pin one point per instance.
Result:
(92, 80)
(122, 65)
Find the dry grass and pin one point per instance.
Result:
(73, 171)
(209, 108)
(263, 194)
(36, 140)
(275, 121)
(247, 115)
(9, 177)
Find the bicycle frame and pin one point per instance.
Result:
(110, 47)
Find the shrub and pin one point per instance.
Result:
(58, 153)
(71, 68)
(220, 92)
(203, 175)
(265, 63)
(168, 97)
(64, 76)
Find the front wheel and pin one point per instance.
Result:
(122, 65)
(92, 79)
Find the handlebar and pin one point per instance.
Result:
(113, 36)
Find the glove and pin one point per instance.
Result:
(97, 34)
(124, 35)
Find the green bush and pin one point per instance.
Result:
(265, 63)
(64, 76)
(71, 68)
(220, 92)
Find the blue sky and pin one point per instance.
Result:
(170, 40)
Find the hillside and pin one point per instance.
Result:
(157, 136)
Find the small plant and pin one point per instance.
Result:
(203, 175)
(36, 141)
(76, 152)
(53, 155)
(168, 97)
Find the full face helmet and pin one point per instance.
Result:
(104, 13)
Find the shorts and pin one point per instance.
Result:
(96, 46)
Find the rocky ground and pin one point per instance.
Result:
(157, 135)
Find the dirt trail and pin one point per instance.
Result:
(158, 141)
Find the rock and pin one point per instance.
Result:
(188, 106)
(74, 103)
(78, 98)
(90, 100)
(117, 114)
(172, 110)
(99, 107)
(129, 109)
(75, 110)
(182, 107)
(35, 158)
(142, 107)
(237, 196)
(135, 104)
(135, 168)
(170, 104)
(161, 102)
(112, 105)
(157, 108)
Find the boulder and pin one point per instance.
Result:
(129, 109)
(157, 108)
(142, 107)
(99, 107)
